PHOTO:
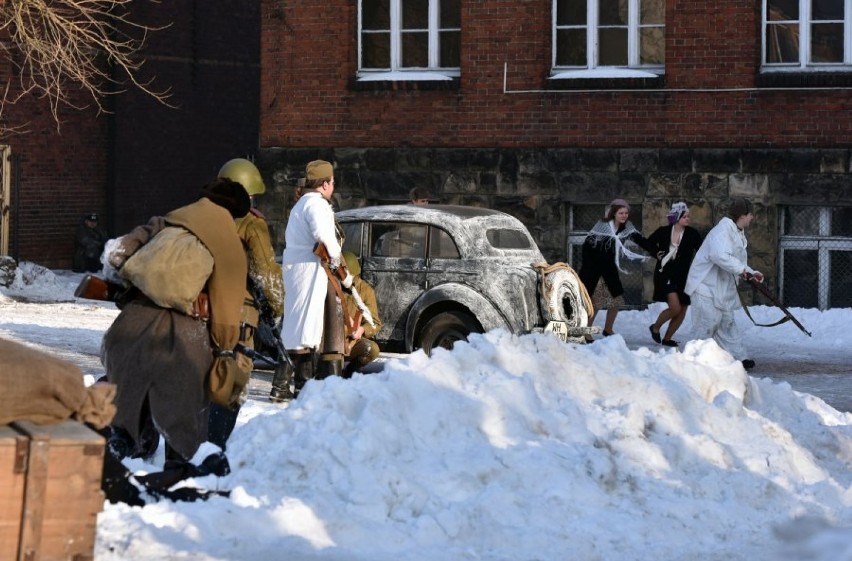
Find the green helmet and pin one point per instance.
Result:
(352, 264)
(245, 173)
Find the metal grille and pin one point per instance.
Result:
(815, 257)
(581, 219)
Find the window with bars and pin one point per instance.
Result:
(581, 218)
(410, 37)
(596, 34)
(815, 257)
(806, 34)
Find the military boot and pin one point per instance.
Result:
(329, 365)
(305, 369)
(281, 380)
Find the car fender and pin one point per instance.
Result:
(485, 312)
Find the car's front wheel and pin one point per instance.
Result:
(443, 330)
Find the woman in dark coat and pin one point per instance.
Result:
(603, 250)
(675, 246)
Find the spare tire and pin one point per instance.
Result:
(562, 298)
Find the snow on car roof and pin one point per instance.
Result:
(465, 223)
(443, 215)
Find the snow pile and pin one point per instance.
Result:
(523, 448)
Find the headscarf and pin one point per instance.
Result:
(603, 235)
(677, 211)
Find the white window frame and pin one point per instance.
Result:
(634, 68)
(804, 23)
(823, 243)
(396, 71)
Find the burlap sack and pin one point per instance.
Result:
(171, 269)
(45, 389)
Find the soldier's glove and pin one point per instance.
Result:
(347, 282)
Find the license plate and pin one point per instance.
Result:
(558, 328)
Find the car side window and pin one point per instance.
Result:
(352, 241)
(398, 240)
(503, 238)
(441, 245)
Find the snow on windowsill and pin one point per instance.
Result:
(397, 76)
(603, 73)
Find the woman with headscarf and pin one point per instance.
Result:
(603, 251)
(675, 245)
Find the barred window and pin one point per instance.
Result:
(815, 257)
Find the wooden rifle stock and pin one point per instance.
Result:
(93, 287)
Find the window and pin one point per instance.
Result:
(441, 245)
(504, 238)
(815, 257)
(806, 34)
(413, 39)
(398, 240)
(608, 34)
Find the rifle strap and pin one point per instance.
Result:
(745, 309)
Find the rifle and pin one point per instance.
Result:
(340, 273)
(93, 287)
(760, 287)
(267, 332)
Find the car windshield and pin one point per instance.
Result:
(505, 238)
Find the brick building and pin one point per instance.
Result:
(548, 109)
(142, 158)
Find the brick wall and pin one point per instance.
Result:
(309, 98)
(142, 158)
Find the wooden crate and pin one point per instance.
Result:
(50, 491)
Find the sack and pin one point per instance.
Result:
(227, 380)
(171, 269)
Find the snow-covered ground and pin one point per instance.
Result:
(509, 448)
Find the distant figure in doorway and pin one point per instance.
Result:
(89, 243)
(675, 245)
(418, 196)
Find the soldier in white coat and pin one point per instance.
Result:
(306, 285)
(712, 280)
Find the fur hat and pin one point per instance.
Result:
(318, 169)
(228, 194)
(677, 211)
(739, 206)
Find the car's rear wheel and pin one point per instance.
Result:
(446, 328)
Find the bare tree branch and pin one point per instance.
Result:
(58, 45)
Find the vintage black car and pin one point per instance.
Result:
(442, 272)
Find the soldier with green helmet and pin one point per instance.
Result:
(265, 285)
(360, 348)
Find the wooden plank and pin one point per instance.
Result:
(68, 489)
(14, 448)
